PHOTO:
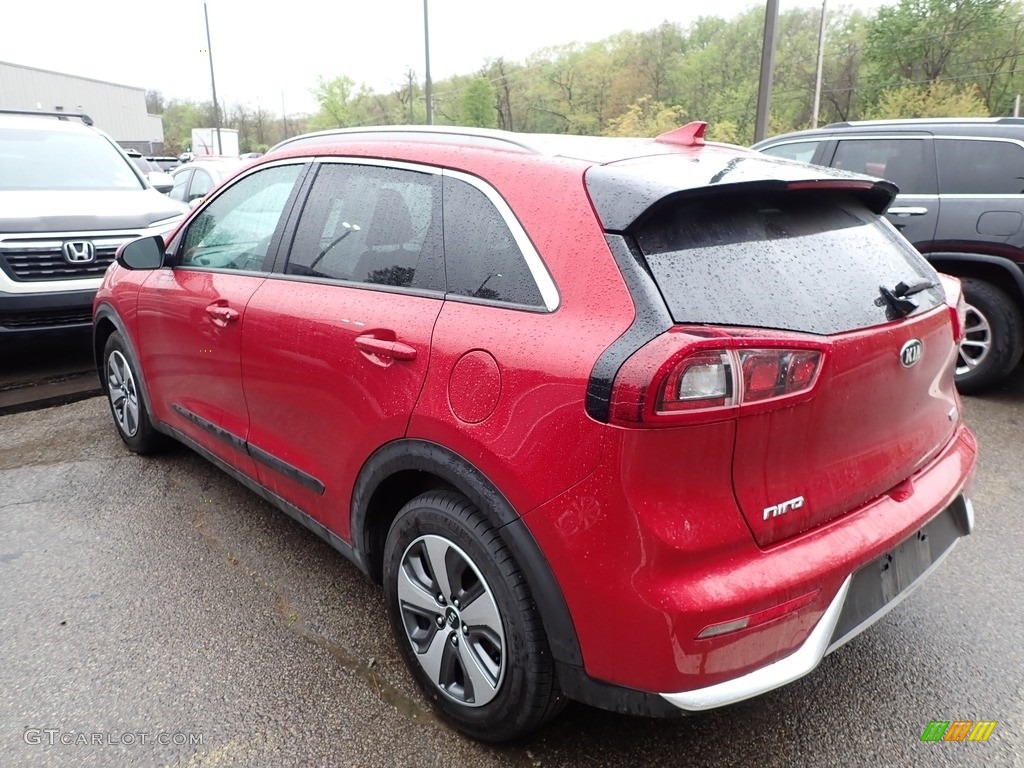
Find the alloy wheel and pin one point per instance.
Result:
(976, 343)
(124, 396)
(452, 620)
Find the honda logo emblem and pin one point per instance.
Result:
(79, 252)
(911, 353)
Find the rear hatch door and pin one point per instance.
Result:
(815, 264)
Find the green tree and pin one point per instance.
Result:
(479, 102)
(334, 97)
(646, 117)
(933, 100)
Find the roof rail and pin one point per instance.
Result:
(59, 115)
(486, 135)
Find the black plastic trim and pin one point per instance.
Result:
(651, 320)
(104, 312)
(421, 455)
(265, 458)
(219, 432)
(1014, 269)
(47, 300)
(302, 478)
(291, 510)
(579, 686)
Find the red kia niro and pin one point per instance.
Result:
(650, 424)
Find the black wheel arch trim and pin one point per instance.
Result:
(1011, 267)
(104, 312)
(651, 320)
(461, 474)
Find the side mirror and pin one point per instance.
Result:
(143, 253)
(162, 182)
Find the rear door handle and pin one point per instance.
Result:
(222, 315)
(908, 210)
(396, 350)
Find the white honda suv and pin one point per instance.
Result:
(69, 196)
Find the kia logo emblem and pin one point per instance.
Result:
(911, 353)
(79, 252)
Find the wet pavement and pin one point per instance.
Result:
(156, 613)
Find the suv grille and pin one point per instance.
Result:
(56, 318)
(42, 258)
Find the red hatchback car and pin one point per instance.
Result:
(651, 424)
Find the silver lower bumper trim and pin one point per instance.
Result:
(803, 661)
(778, 673)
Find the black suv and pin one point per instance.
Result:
(961, 204)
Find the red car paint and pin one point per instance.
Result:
(655, 525)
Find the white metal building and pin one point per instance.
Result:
(118, 110)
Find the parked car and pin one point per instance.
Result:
(961, 203)
(159, 179)
(196, 179)
(164, 163)
(69, 196)
(646, 423)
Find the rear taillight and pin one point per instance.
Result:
(957, 306)
(677, 377)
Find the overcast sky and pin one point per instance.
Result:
(269, 55)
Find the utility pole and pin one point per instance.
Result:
(411, 116)
(426, 50)
(764, 91)
(213, 83)
(821, 61)
(284, 118)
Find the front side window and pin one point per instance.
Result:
(370, 224)
(980, 167)
(234, 231)
(907, 163)
(482, 258)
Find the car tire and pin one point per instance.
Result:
(993, 337)
(128, 406)
(465, 621)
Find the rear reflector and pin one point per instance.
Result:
(759, 618)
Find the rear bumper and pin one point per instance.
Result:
(649, 561)
(864, 598)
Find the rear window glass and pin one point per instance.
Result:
(42, 159)
(791, 261)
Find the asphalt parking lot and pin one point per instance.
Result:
(157, 613)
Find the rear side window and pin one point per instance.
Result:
(907, 163)
(791, 261)
(972, 167)
(794, 150)
(482, 258)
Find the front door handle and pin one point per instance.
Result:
(222, 315)
(395, 350)
(908, 210)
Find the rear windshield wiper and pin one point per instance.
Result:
(896, 298)
(914, 286)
